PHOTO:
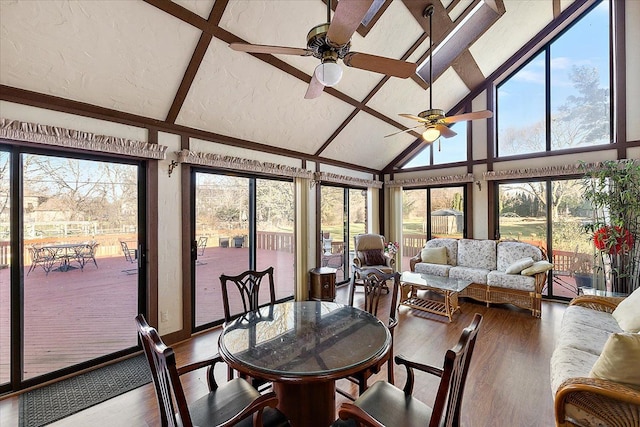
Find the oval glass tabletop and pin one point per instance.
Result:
(307, 338)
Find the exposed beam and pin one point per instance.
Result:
(195, 62)
(35, 99)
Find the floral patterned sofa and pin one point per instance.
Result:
(506, 272)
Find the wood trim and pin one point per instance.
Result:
(337, 131)
(187, 226)
(152, 234)
(557, 8)
(467, 68)
(619, 74)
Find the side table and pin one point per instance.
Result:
(322, 284)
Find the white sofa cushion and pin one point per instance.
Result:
(519, 265)
(510, 252)
(627, 313)
(480, 254)
(475, 275)
(575, 314)
(435, 269)
(619, 360)
(451, 246)
(569, 363)
(500, 279)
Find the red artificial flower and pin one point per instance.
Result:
(602, 239)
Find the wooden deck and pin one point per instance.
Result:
(65, 310)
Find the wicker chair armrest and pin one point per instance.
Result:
(413, 261)
(598, 303)
(595, 393)
(357, 262)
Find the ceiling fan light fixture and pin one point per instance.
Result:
(328, 73)
(431, 134)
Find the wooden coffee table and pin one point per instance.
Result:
(446, 287)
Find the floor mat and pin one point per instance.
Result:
(55, 401)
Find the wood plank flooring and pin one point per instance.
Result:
(508, 382)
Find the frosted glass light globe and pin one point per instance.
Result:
(328, 73)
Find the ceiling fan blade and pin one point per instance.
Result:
(346, 19)
(485, 114)
(277, 50)
(445, 131)
(380, 64)
(412, 117)
(315, 88)
(403, 131)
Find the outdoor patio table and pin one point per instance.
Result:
(303, 347)
(64, 252)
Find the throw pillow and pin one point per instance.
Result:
(537, 267)
(434, 255)
(520, 265)
(374, 257)
(627, 313)
(619, 360)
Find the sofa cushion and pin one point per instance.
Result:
(434, 255)
(620, 360)
(435, 269)
(451, 245)
(475, 275)
(509, 252)
(373, 257)
(627, 313)
(576, 314)
(588, 338)
(567, 362)
(537, 267)
(519, 265)
(511, 281)
(479, 254)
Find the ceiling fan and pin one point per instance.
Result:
(331, 41)
(434, 120)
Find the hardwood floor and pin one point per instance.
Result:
(508, 383)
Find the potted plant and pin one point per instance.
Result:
(613, 189)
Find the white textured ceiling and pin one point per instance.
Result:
(131, 56)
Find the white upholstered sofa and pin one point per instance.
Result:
(507, 272)
(595, 366)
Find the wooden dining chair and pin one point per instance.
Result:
(385, 405)
(235, 403)
(374, 281)
(245, 288)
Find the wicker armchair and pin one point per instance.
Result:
(594, 398)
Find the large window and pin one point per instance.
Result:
(241, 223)
(551, 214)
(428, 213)
(343, 216)
(65, 227)
(560, 98)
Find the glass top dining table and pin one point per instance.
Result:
(303, 347)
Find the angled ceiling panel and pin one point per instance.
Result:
(243, 97)
(362, 141)
(128, 56)
(521, 21)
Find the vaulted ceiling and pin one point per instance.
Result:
(169, 62)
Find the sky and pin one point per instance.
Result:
(585, 43)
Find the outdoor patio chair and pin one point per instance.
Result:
(87, 253)
(130, 255)
(385, 405)
(374, 281)
(41, 257)
(234, 403)
(201, 245)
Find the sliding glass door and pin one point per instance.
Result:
(343, 216)
(69, 291)
(241, 223)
